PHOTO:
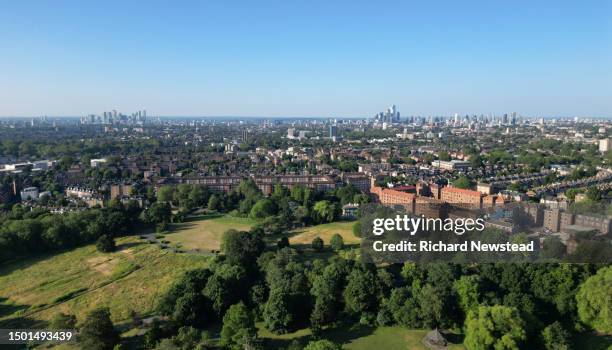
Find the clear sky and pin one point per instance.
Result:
(306, 58)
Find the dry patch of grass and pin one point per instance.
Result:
(102, 264)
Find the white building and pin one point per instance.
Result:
(605, 145)
(451, 165)
(29, 193)
(94, 163)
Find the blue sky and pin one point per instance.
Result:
(306, 58)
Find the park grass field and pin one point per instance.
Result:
(325, 232)
(204, 232)
(132, 278)
(393, 338)
(356, 338)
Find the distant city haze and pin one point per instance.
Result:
(308, 58)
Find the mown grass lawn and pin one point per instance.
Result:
(132, 278)
(393, 338)
(355, 337)
(325, 232)
(205, 232)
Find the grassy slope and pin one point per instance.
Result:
(130, 279)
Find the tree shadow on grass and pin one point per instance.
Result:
(348, 333)
(342, 334)
(128, 245)
(200, 217)
(24, 262)
(453, 338)
(22, 323)
(179, 226)
(7, 309)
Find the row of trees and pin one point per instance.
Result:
(497, 305)
(24, 232)
(284, 208)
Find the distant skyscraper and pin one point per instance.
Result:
(391, 115)
(333, 131)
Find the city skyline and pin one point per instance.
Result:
(274, 59)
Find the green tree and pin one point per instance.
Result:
(593, 193)
(571, 193)
(167, 344)
(434, 304)
(153, 335)
(404, 307)
(238, 326)
(336, 242)
(165, 194)
(263, 208)
(555, 337)
(198, 196)
(317, 244)
(443, 155)
(475, 160)
(325, 211)
(188, 337)
(357, 229)
(192, 281)
(224, 287)
(283, 242)
(158, 212)
(214, 202)
(105, 244)
(594, 302)
(361, 293)
(241, 247)
(97, 331)
(462, 182)
(494, 327)
(277, 311)
(557, 284)
(327, 289)
(361, 198)
(468, 291)
(322, 344)
(188, 309)
(346, 193)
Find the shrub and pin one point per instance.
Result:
(317, 244)
(105, 244)
(336, 242)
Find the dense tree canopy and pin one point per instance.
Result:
(238, 327)
(97, 331)
(594, 301)
(498, 327)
